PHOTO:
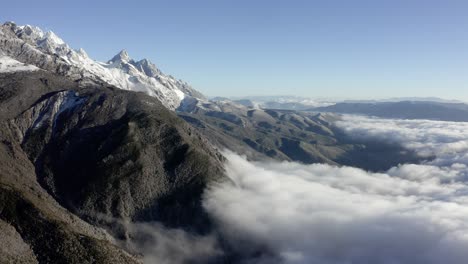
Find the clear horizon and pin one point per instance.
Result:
(363, 50)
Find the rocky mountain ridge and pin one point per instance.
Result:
(31, 45)
(428, 110)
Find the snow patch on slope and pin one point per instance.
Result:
(8, 64)
(51, 110)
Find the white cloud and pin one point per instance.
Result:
(156, 243)
(286, 212)
(326, 214)
(425, 136)
(162, 245)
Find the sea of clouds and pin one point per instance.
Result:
(296, 213)
(287, 212)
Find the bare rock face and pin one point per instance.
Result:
(96, 152)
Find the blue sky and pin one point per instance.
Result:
(330, 48)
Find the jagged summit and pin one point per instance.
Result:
(123, 60)
(31, 31)
(82, 52)
(35, 35)
(148, 68)
(122, 56)
(52, 37)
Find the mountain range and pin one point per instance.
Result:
(430, 110)
(88, 149)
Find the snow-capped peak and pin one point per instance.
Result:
(121, 71)
(46, 41)
(31, 33)
(36, 35)
(51, 37)
(148, 68)
(121, 57)
(82, 52)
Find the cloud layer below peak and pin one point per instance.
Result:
(413, 213)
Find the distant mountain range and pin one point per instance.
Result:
(299, 103)
(279, 102)
(402, 99)
(431, 110)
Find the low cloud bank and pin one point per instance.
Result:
(155, 243)
(448, 141)
(162, 245)
(415, 214)
(286, 212)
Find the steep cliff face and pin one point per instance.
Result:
(104, 154)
